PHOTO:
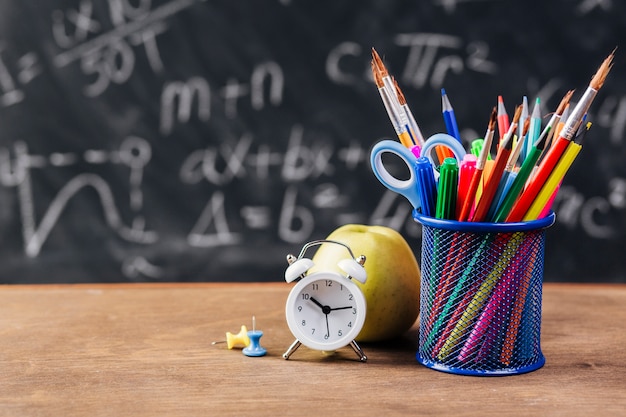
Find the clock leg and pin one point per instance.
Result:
(358, 351)
(294, 346)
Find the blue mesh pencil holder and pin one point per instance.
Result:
(481, 284)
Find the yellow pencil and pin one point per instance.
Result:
(553, 181)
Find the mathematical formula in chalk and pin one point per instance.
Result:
(183, 130)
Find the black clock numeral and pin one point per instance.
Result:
(306, 296)
(329, 283)
(326, 336)
(299, 308)
(339, 333)
(354, 310)
(350, 297)
(312, 331)
(350, 324)
(303, 323)
(315, 286)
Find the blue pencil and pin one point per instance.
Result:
(448, 116)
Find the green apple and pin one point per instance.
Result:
(392, 289)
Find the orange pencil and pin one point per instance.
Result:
(491, 186)
(480, 166)
(552, 157)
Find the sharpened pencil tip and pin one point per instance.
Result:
(543, 139)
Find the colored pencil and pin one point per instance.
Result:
(534, 131)
(480, 165)
(508, 170)
(555, 178)
(554, 120)
(449, 116)
(489, 190)
(552, 157)
(578, 139)
(503, 119)
(522, 176)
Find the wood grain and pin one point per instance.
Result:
(145, 349)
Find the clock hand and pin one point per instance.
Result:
(317, 303)
(327, 328)
(340, 308)
(325, 309)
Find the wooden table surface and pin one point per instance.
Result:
(145, 349)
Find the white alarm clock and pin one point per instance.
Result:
(325, 310)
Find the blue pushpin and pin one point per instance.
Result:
(254, 348)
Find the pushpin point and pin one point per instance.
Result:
(254, 348)
(240, 339)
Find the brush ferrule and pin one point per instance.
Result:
(576, 116)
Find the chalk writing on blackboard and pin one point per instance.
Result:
(586, 6)
(134, 153)
(574, 209)
(430, 57)
(27, 68)
(174, 131)
(140, 24)
(179, 98)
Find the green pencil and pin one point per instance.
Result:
(522, 176)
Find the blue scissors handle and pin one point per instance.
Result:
(445, 140)
(407, 188)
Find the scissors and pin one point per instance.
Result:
(408, 188)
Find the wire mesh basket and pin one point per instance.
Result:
(481, 286)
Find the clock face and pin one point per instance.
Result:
(326, 312)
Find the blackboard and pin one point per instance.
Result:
(189, 140)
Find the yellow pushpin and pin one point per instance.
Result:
(240, 339)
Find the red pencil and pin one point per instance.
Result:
(503, 119)
(468, 204)
(491, 186)
(555, 152)
(527, 197)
